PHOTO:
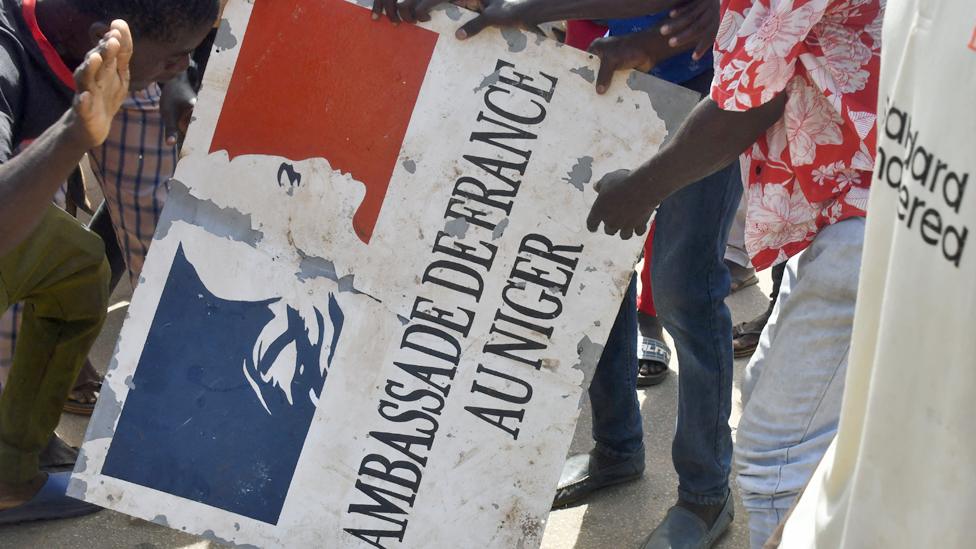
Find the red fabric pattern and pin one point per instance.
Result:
(645, 301)
(812, 168)
(580, 34)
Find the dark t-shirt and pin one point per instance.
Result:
(32, 95)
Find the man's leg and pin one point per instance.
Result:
(617, 426)
(691, 283)
(61, 275)
(10, 319)
(794, 384)
(9, 326)
(619, 452)
(85, 391)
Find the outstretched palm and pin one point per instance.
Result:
(102, 82)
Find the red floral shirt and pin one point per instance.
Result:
(813, 167)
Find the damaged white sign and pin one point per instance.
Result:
(372, 305)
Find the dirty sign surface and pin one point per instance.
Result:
(372, 304)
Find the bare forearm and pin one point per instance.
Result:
(541, 11)
(29, 180)
(708, 141)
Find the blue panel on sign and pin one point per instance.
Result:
(223, 397)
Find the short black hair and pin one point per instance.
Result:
(153, 19)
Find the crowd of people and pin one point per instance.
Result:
(805, 126)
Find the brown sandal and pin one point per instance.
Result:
(84, 395)
(745, 336)
(742, 277)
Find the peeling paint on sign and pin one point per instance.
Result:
(499, 230)
(515, 38)
(111, 408)
(581, 173)
(585, 72)
(489, 80)
(671, 107)
(457, 227)
(224, 222)
(225, 38)
(372, 300)
(453, 12)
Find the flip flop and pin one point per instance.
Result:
(652, 361)
(742, 277)
(50, 503)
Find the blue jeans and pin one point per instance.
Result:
(691, 282)
(617, 427)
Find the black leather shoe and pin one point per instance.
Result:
(584, 474)
(57, 456)
(683, 529)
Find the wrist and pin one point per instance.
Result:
(652, 190)
(655, 45)
(74, 133)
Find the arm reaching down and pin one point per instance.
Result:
(709, 140)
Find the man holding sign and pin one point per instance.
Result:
(810, 136)
(796, 87)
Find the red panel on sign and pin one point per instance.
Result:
(320, 79)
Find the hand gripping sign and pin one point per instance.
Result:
(372, 305)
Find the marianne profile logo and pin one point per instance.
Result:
(223, 398)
